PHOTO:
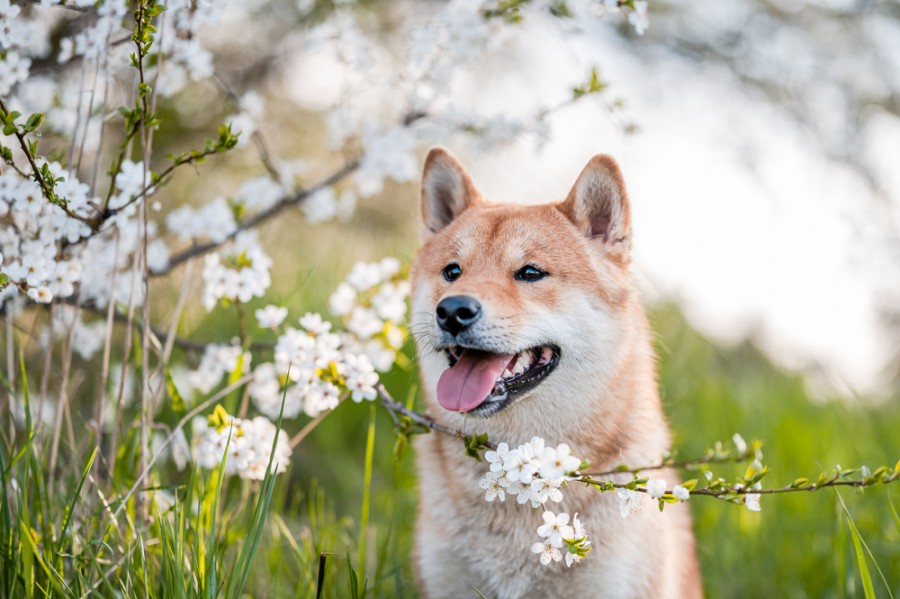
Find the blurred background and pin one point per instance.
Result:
(760, 142)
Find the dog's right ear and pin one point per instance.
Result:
(598, 206)
(447, 190)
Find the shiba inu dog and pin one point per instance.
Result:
(528, 323)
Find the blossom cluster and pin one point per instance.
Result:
(217, 361)
(248, 443)
(557, 535)
(531, 472)
(630, 500)
(311, 372)
(372, 302)
(535, 472)
(48, 252)
(238, 272)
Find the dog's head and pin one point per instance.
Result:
(516, 302)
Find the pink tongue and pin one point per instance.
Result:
(465, 385)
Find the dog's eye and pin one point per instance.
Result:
(452, 271)
(530, 273)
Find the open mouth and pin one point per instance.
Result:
(482, 383)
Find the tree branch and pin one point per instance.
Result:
(203, 248)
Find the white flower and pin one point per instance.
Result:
(259, 194)
(364, 323)
(542, 489)
(342, 300)
(629, 501)
(681, 493)
(656, 487)
(580, 529)
(365, 275)
(496, 457)
(382, 357)
(518, 465)
(387, 153)
(494, 485)
(361, 377)
(638, 17)
(266, 391)
(238, 272)
(216, 361)
(558, 462)
(271, 316)
(390, 301)
(314, 324)
(751, 500)
(320, 206)
(556, 528)
(321, 397)
(249, 444)
(580, 533)
(41, 295)
(739, 443)
(547, 551)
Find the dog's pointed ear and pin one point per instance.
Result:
(447, 190)
(598, 205)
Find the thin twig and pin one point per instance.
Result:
(257, 137)
(395, 406)
(257, 219)
(296, 439)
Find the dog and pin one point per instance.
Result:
(528, 324)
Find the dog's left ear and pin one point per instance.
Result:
(598, 206)
(447, 190)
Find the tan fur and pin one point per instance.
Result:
(602, 399)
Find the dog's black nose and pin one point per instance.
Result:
(457, 313)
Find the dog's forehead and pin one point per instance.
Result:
(506, 232)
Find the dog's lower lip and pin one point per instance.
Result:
(527, 369)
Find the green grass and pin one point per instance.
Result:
(225, 537)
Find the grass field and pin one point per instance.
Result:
(797, 546)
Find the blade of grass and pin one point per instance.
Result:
(367, 494)
(861, 560)
(210, 584)
(354, 581)
(840, 553)
(76, 495)
(894, 513)
(245, 558)
(320, 581)
(860, 544)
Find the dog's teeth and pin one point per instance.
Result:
(507, 373)
(520, 366)
(546, 354)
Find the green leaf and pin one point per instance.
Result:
(400, 445)
(34, 121)
(76, 496)
(861, 560)
(177, 401)
(474, 445)
(894, 514)
(593, 86)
